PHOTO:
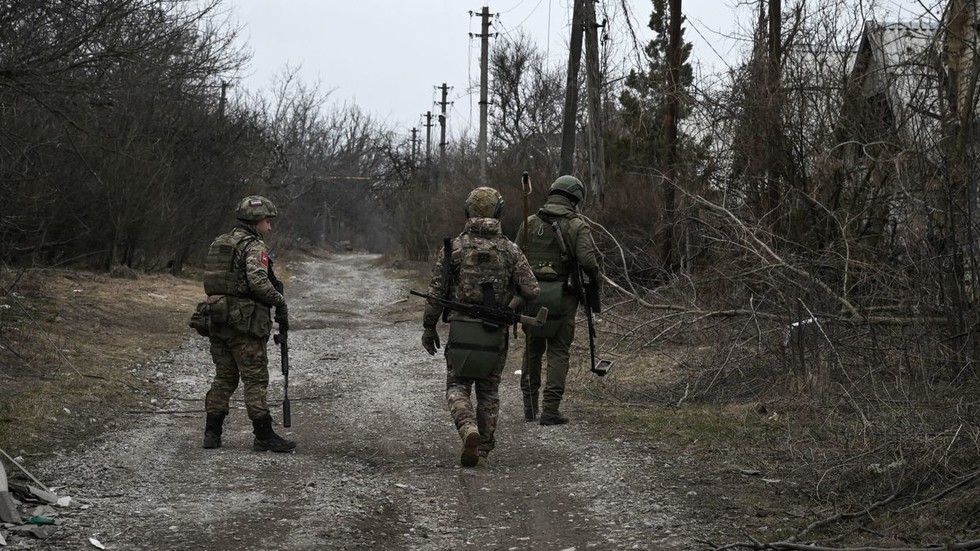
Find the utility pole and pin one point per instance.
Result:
(223, 101)
(571, 91)
(597, 150)
(484, 70)
(428, 138)
(415, 147)
(670, 125)
(774, 167)
(442, 129)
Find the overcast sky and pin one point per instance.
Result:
(388, 56)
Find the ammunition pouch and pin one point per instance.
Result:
(549, 297)
(474, 349)
(241, 315)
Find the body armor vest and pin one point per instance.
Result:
(543, 251)
(224, 270)
(481, 260)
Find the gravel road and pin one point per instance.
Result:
(376, 466)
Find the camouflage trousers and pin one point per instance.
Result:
(239, 357)
(557, 349)
(484, 416)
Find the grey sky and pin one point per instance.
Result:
(388, 56)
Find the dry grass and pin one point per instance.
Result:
(69, 341)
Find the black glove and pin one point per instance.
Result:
(282, 318)
(430, 340)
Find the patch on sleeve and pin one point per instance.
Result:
(264, 259)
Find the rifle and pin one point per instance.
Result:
(496, 317)
(578, 285)
(280, 339)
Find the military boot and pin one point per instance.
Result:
(266, 439)
(212, 430)
(552, 417)
(470, 455)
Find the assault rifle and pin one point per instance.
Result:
(280, 339)
(488, 314)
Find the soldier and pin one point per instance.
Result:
(475, 352)
(558, 241)
(241, 288)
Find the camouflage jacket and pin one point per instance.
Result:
(508, 270)
(256, 264)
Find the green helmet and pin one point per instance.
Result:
(484, 202)
(570, 187)
(255, 208)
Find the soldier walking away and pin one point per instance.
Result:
(242, 288)
(559, 242)
(480, 266)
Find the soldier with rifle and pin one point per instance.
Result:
(558, 244)
(242, 289)
(478, 282)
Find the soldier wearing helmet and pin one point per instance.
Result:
(559, 240)
(475, 353)
(242, 289)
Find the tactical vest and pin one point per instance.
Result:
(224, 272)
(481, 260)
(543, 251)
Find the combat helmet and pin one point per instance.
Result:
(484, 202)
(570, 187)
(255, 208)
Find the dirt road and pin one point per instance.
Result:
(376, 465)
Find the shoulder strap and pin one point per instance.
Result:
(447, 274)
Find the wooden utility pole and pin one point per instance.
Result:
(224, 99)
(484, 72)
(571, 90)
(597, 150)
(428, 139)
(774, 166)
(442, 128)
(415, 147)
(667, 252)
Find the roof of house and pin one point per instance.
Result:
(901, 62)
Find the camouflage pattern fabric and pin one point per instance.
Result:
(510, 273)
(239, 357)
(458, 397)
(237, 354)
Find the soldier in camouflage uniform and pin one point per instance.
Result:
(242, 288)
(558, 239)
(475, 353)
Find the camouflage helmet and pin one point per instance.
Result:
(570, 187)
(484, 202)
(255, 208)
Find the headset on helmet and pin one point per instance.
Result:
(255, 208)
(484, 202)
(568, 186)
